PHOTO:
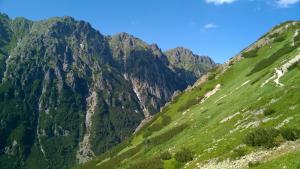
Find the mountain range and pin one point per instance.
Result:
(242, 114)
(69, 93)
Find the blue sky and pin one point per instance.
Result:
(218, 28)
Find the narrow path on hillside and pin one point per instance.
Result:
(280, 72)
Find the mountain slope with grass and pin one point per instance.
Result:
(244, 113)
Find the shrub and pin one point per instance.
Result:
(262, 137)
(231, 63)
(154, 163)
(297, 133)
(274, 35)
(298, 165)
(297, 40)
(157, 126)
(250, 54)
(286, 49)
(294, 66)
(191, 102)
(279, 39)
(184, 155)
(166, 120)
(167, 135)
(239, 152)
(289, 134)
(165, 155)
(211, 76)
(253, 164)
(269, 111)
(147, 133)
(116, 160)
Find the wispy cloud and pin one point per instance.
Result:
(279, 3)
(286, 3)
(220, 2)
(208, 26)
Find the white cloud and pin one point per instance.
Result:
(286, 3)
(209, 26)
(220, 2)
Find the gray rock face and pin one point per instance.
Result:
(185, 60)
(68, 93)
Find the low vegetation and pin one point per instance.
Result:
(192, 102)
(278, 37)
(166, 135)
(250, 54)
(290, 134)
(286, 49)
(157, 126)
(184, 155)
(239, 152)
(165, 155)
(253, 82)
(269, 111)
(116, 160)
(262, 137)
(252, 164)
(269, 137)
(294, 66)
(154, 163)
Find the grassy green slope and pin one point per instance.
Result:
(213, 128)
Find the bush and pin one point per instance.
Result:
(274, 35)
(297, 40)
(184, 155)
(259, 78)
(167, 135)
(116, 160)
(286, 49)
(269, 111)
(297, 133)
(165, 155)
(211, 76)
(157, 126)
(294, 66)
(154, 163)
(262, 137)
(147, 133)
(239, 152)
(250, 54)
(253, 164)
(289, 134)
(166, 120)
(279, 39)
(191, 102)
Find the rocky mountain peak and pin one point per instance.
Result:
(184, 59)
(181, 51)
(183, 54)
(127, 41)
